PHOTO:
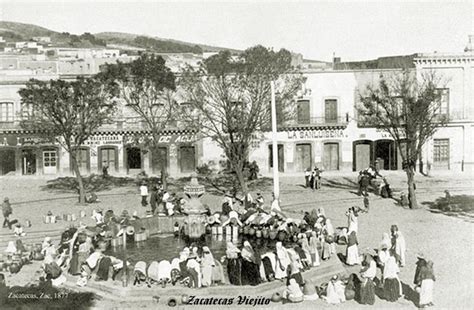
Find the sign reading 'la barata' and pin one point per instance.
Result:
(316, 134)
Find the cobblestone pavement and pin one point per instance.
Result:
(446, 240)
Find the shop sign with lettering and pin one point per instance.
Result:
(12, 140)
(103, 140)
(316, 134)
(137, 140)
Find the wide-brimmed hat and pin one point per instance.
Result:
(420, 255)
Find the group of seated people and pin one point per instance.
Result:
(195, 267)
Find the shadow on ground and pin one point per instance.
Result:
(458, 206)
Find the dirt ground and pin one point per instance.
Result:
(447, 240)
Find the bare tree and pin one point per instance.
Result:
(231, 97)
(68, 112)
(147, 86)
(408, 108)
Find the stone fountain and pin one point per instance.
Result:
(195, 222)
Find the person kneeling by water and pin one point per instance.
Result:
(293, 292)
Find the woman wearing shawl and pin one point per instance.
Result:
(293, 292)
(391, 286)
(329, 229)
(294, 269)
(164, 272)
(352, 221)
(153, 272)
(250, 265)
(352, 253)
(367, 288)
(326, 247)
(175, 271)
(307, 251)
(283, 261)
(335, 291)
(194, 269)
(207, 265)
(399, 245)
(427, 279)
(269, 265)
(234, 264)
(313, 249)
(139, 272)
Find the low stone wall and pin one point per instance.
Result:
(158, 224)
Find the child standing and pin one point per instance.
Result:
(144, 194)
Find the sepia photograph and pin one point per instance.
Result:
(237, 154)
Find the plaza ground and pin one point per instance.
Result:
(447, 240)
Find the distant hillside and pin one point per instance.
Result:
(13, 32)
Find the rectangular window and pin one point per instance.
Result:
(443, 105)
(108, 157)
(303, 112)
(187, 158)
(441, 153)
(330, 110)
(6, 111)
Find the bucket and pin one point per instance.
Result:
(116, 241)
(228, 230)
(219, 230)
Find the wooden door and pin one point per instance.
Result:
(331, 156)
(187, 158)
(362, 156)
(330, 111)
(303, 157)
(441, 154)
(49, 162)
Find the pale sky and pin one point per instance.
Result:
(354, 30)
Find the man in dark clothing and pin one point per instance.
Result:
(153, 199)
(7, 211)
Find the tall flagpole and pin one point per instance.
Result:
(276, 181)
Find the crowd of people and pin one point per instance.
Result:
(299, 245)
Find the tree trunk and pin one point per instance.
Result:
(242, 181)
(164, 179)
(411, 188)
(82, 192)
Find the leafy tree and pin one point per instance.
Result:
(147, 86)
(231, 96)
(68, 112)
(408, 108)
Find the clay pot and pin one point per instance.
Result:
(172, 302)
(184, 299)
(276, 297)
(252, 231)
(281, 235)
(15, 267)
(258, 233)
